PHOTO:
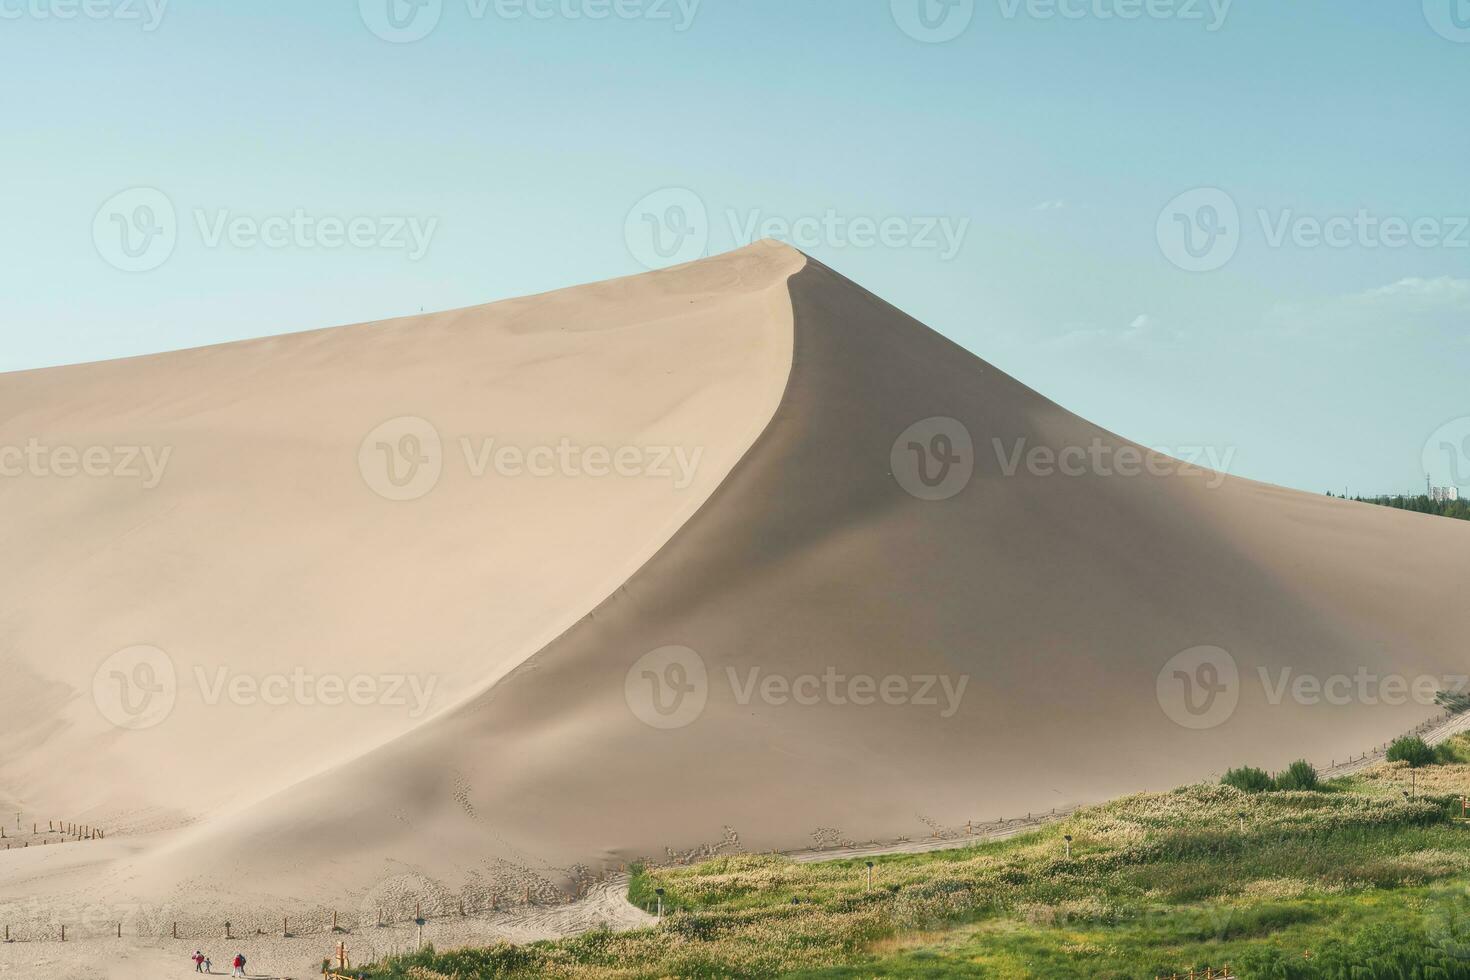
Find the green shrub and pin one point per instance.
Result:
(1452, 751)
(1454, 702)
(1248, 779)
(1300, 775)
(1411, 749)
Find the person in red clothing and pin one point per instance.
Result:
(198, 959)
(239, 965)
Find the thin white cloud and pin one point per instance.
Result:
(1056, 205)
(1142, 330)
(1409, 306)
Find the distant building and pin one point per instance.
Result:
(1444, 495)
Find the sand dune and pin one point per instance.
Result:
(624, 668)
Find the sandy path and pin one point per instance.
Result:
(148, 958)
(976, 834)
(1433, 732)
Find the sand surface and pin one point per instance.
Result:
(564, 739)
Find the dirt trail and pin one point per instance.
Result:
(1433, 732)
(147, 958)
(975, 834)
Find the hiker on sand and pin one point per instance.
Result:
(198, 959)
(239, 965)
(208, 965)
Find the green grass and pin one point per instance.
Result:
(1351, 880)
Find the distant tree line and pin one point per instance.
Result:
(1457, 509)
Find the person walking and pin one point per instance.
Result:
(208, 965)
(239, 965)
(198, 959)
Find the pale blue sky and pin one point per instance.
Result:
(518, 145)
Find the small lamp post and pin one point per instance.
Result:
(1068, 839)
(1242, 821)
(660, 893)
(870, 876)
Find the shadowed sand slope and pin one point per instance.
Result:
(851, 660)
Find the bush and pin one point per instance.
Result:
(1453, 701)
(1247, 779)
(1300, 775)
(1411, 749)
